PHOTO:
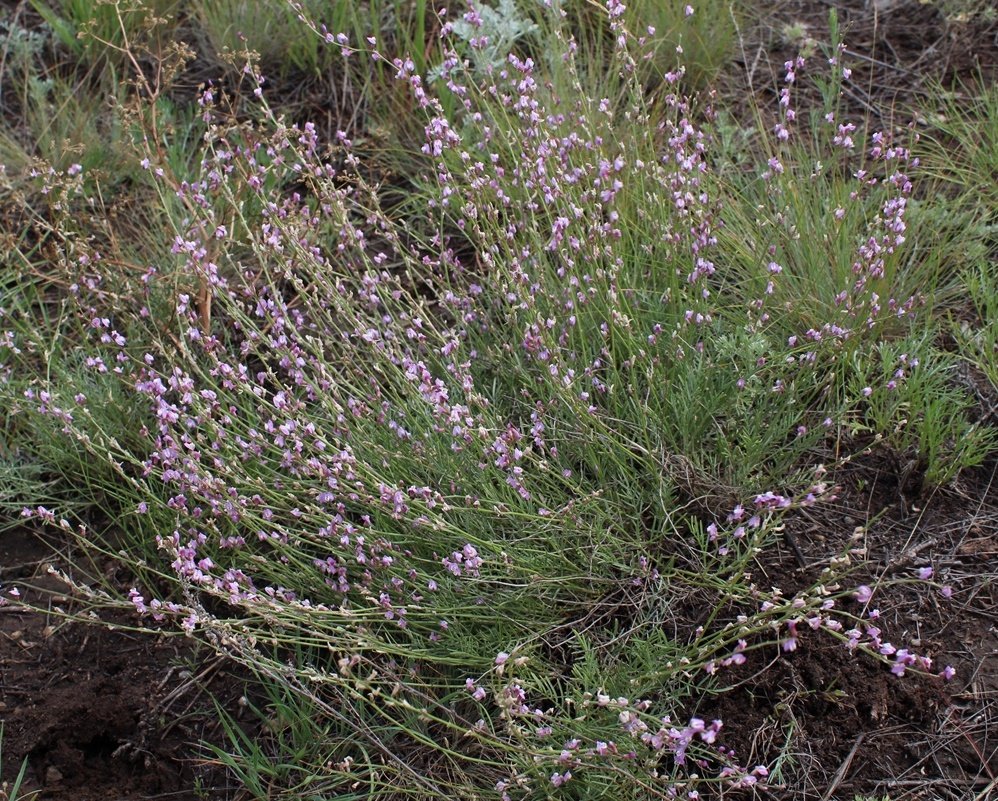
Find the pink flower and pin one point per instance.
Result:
(863, 594)
(558, 779)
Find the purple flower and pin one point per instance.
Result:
(139, 602)
(863, 594)
(558, 779)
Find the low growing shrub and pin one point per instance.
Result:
(479, 494)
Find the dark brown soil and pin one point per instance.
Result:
(844, 725)
(98, 713)
(896, 53)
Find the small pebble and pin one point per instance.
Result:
(52, 775)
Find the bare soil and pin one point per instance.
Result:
(854, 727)
(100, 713)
